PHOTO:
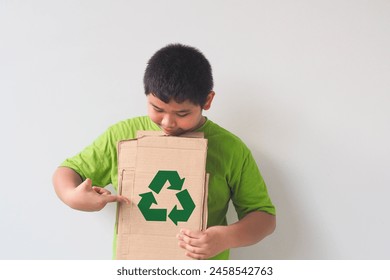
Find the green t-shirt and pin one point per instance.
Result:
(233, 171)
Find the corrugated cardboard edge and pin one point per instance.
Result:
(205, 197)
(123, 239)
(120, 180)
(193, 134)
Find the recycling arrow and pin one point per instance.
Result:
(162, 176)
(147, 199)
(176, 183)
(188, 207)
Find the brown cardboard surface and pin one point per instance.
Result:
(158, 172)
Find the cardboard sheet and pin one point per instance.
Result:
(165, 179)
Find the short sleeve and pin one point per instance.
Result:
(95, 160)
(249, 191)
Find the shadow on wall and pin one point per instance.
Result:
(286, 241)
(288, 237)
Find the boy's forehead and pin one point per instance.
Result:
(172, 104)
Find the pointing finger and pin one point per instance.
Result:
(123, 199)
(102, 191)
(117, 198)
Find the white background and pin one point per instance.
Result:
(306, 84)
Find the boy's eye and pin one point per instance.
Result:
(158, 109)
(183, 115)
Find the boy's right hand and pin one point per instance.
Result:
(90, 198)
(81, 195)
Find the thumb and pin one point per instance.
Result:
(87, 184)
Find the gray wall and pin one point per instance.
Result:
(305, 84)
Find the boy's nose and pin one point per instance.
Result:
(168, 121)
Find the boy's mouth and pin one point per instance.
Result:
(167, 131)
(173, 132)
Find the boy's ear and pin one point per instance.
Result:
(209, 100)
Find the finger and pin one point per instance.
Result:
(111, 198)
(192, 238)
(191, 233)
(192, 252)
(189, 241)
(179, 236)
(102, 191)
(190, 248)
(87, 184)
(196, 256)
(123, 199)
(116, 198)
(194, 242)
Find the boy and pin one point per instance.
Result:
(179, 86)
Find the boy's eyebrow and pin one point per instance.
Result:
(183, 111)
(180, 111)
(154, 105)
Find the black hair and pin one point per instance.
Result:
(179, 72)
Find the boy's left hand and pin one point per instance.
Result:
(202, 244)
(206, 244)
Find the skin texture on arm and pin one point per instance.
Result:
(79, 194)
(254, 227)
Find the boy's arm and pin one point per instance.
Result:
(249, 230)
(79, 194)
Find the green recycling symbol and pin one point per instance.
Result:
(176, 183)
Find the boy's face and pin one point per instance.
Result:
(176, 118)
